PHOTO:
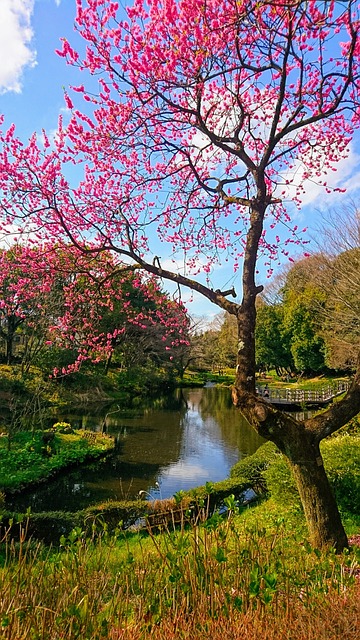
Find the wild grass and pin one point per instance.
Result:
(240, 577)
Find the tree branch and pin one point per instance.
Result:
(339, 413)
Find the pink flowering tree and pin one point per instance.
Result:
(109, 310)
(30, 298)
(194, 126)
(62, 301)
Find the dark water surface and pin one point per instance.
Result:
(180, 442)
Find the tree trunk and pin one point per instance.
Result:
(108, 363)
(245, 370)
(9, 348)
(300, 445)
(299, 441)
(319, 504)
(246, 312)
(12, 325)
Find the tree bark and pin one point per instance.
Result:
(245, 370)
(246, 312)
(319, 504)
(11, 328)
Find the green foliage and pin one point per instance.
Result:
(280, 483)
(114, 514)
(251, 469)
(307, 345)
(257, 563)
(231, 571)
(144, 380)
(341, 459)
(273, 344)
(315, 318)
(352, 427)
(10, 381)
(215, 348)
(49, 527)
(267, 470)
(53, 357)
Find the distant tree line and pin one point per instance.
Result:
(307, 319)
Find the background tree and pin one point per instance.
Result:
(303, 303)
(30, 298)
(155, 328)
(63, 309)
(208, 117)
(318, 299)
(339, 248)
(214, 348)
(273, 342)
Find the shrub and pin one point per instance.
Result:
(341, 459)
(251, 469)
(280, 483)
(63, 427)
(267, 470)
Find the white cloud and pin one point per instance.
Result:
(15, 42)
(57, 2)
(343, 176)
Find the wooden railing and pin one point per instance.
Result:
(304, 396)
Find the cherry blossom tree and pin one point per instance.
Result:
(60, 297)
(29, 297)
(200, 122)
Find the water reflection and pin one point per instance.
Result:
(182, 441)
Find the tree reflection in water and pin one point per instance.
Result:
(180, 441)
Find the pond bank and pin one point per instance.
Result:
(30, 459)
(176, 442)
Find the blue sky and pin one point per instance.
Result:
(33, 78)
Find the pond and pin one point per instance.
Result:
(181, 441)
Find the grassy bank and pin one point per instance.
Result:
(244, 576)
(28, 458)
(89, 384)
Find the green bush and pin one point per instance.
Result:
(251, 469)
(341, 459)
(280, 483)
(268, 470)
(145, 380)
(113, 514)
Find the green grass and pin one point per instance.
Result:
(233, 577)
(29, 457)
(242, 576)
(199, 378)
(313, 383)
(267, 470)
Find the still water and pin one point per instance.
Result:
(180, 442)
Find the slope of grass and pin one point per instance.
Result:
(246, 576)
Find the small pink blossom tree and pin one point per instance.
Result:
(60, 297)
(200, 122)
